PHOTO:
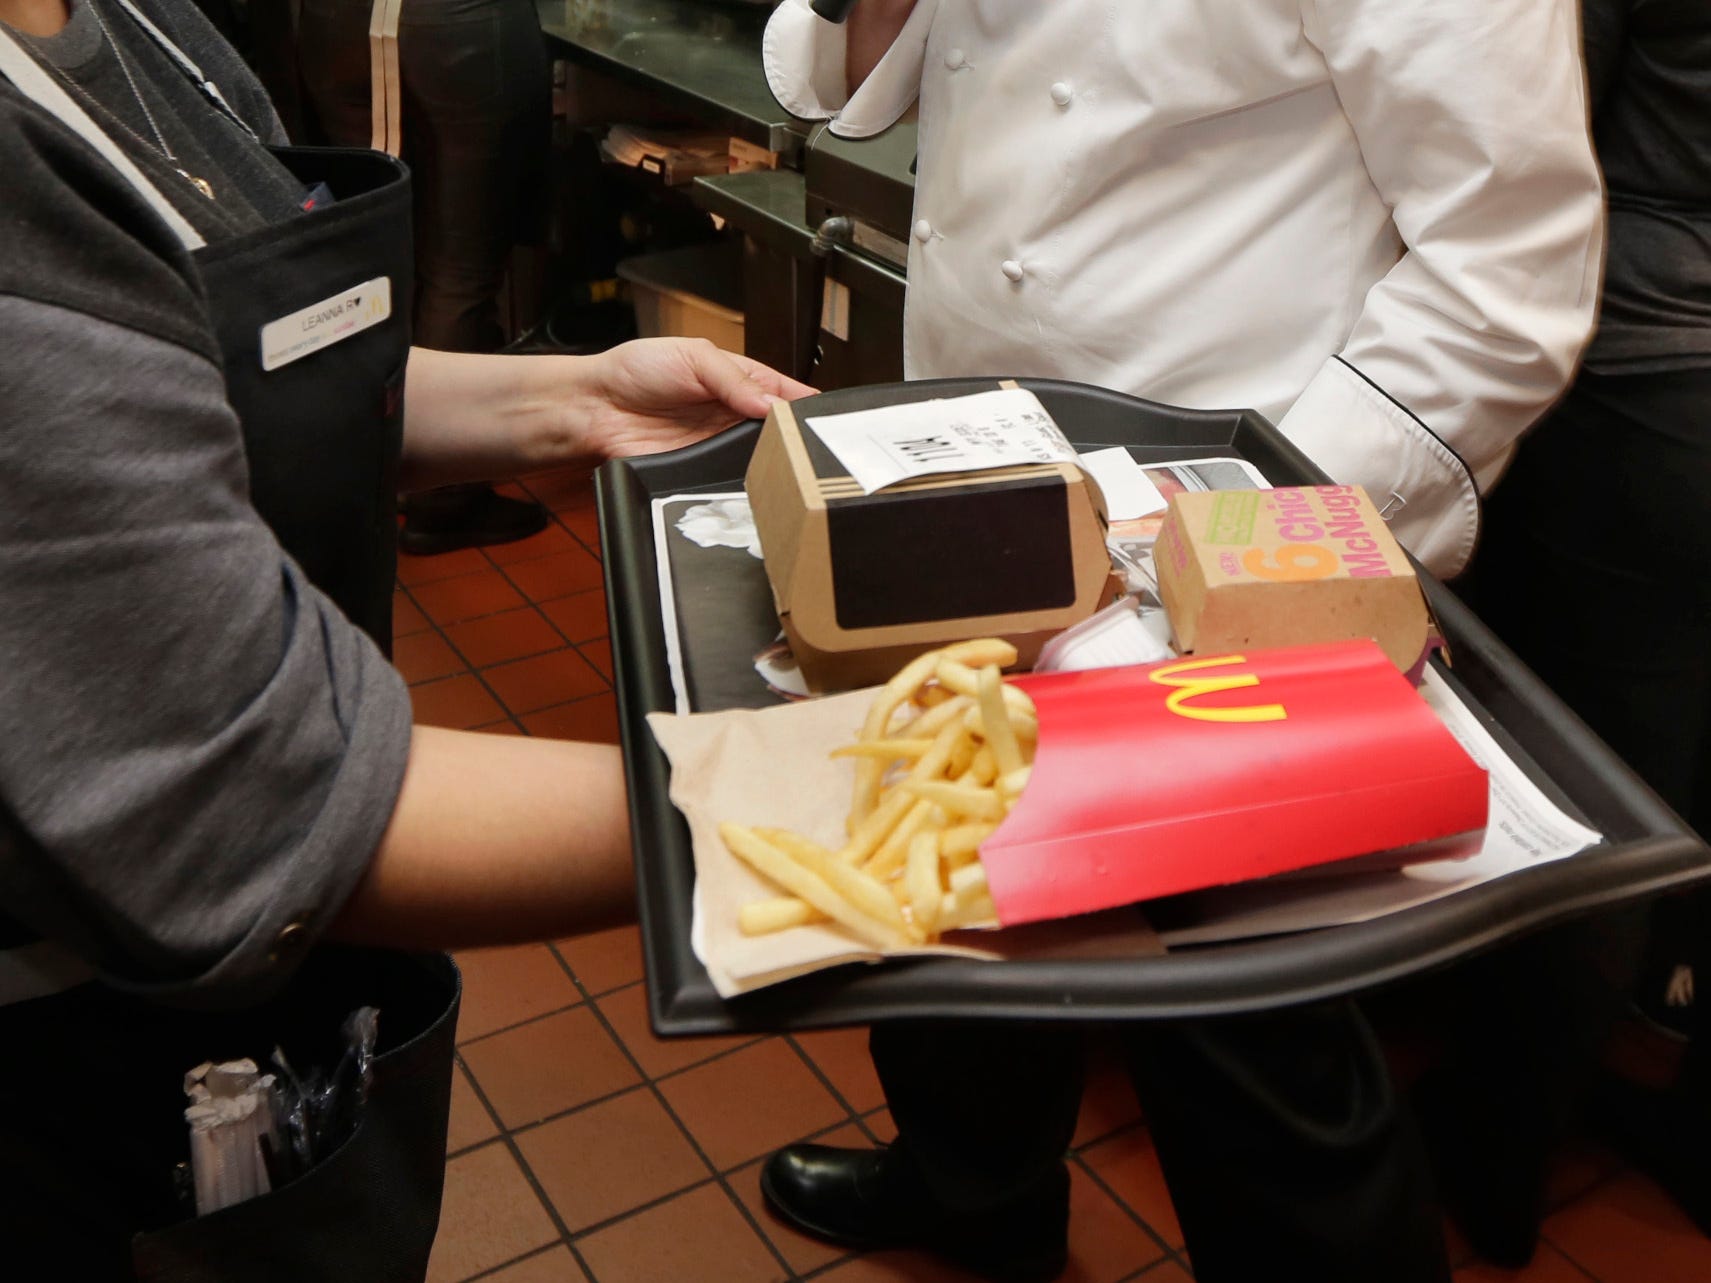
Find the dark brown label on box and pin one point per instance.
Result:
(995, 548)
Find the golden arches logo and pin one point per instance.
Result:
(1193, 687)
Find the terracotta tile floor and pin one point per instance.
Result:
(585, 1150)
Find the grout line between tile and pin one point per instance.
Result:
(820, 1075)
(1169, 1251)
(820, 1271)
(1122, 1129)
(508, 1140)
(530, 1255)
(438, 630)
(481, 1099)
(535, 602)
(607, 690)
(866, 1130)
(659, 1096)
(535, 1124)
(596, 1227)
(1569, 1257)
(1139, 1276)
(528, 1020)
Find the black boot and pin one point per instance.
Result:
(469, 516)
(870, 1199)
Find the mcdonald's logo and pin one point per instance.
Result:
(1191, 687)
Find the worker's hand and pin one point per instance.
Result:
(483, 417)
(660, 394)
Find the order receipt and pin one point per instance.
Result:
(1003, 429)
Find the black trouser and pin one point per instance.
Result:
(1287, 1155)
(1595, 567)
(475, 132)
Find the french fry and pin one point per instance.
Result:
(982, 771)
(999, 734)
(964, 839)
(932, 696)
(871, 834)
(944, 751)
(962, 756)
(968, 903)
(982, 652)
(895, 850)
(921, 880)
(767, 860)
(959, 799)
(955, 914)
(966, 681)
(763, 917)
(935, 719)
(969, 882)
(892, 696)
(890, 750)
(859, 888)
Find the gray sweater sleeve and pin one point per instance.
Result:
(200, 753)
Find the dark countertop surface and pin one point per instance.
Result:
(705, 51)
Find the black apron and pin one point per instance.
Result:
(322, 436)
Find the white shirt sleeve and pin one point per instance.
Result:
(1471, 118)
(804, 59)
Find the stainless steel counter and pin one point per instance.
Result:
(703, 53)
(703, 57)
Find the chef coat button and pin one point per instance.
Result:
(956, 59)
(1011, 268)
(290, 941)
(923, 230)
(1063, 93)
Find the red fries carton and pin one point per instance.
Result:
(1172, 777)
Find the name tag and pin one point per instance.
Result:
(332, 320)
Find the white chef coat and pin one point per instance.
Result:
(1378, 222)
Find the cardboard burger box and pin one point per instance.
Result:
(864, 582)
(1287, 567)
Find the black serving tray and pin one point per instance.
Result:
(1647, 849)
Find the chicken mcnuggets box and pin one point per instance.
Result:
(1158, 779)
(888, 532)
(1285, 567)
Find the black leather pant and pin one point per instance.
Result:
(1287, 1154)
(477, 112)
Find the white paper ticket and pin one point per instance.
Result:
(1002, 429)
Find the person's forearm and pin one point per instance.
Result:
(497, 839)
(472, 417)
(873, 28)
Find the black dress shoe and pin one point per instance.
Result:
(471, 516)
(870, 1199)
